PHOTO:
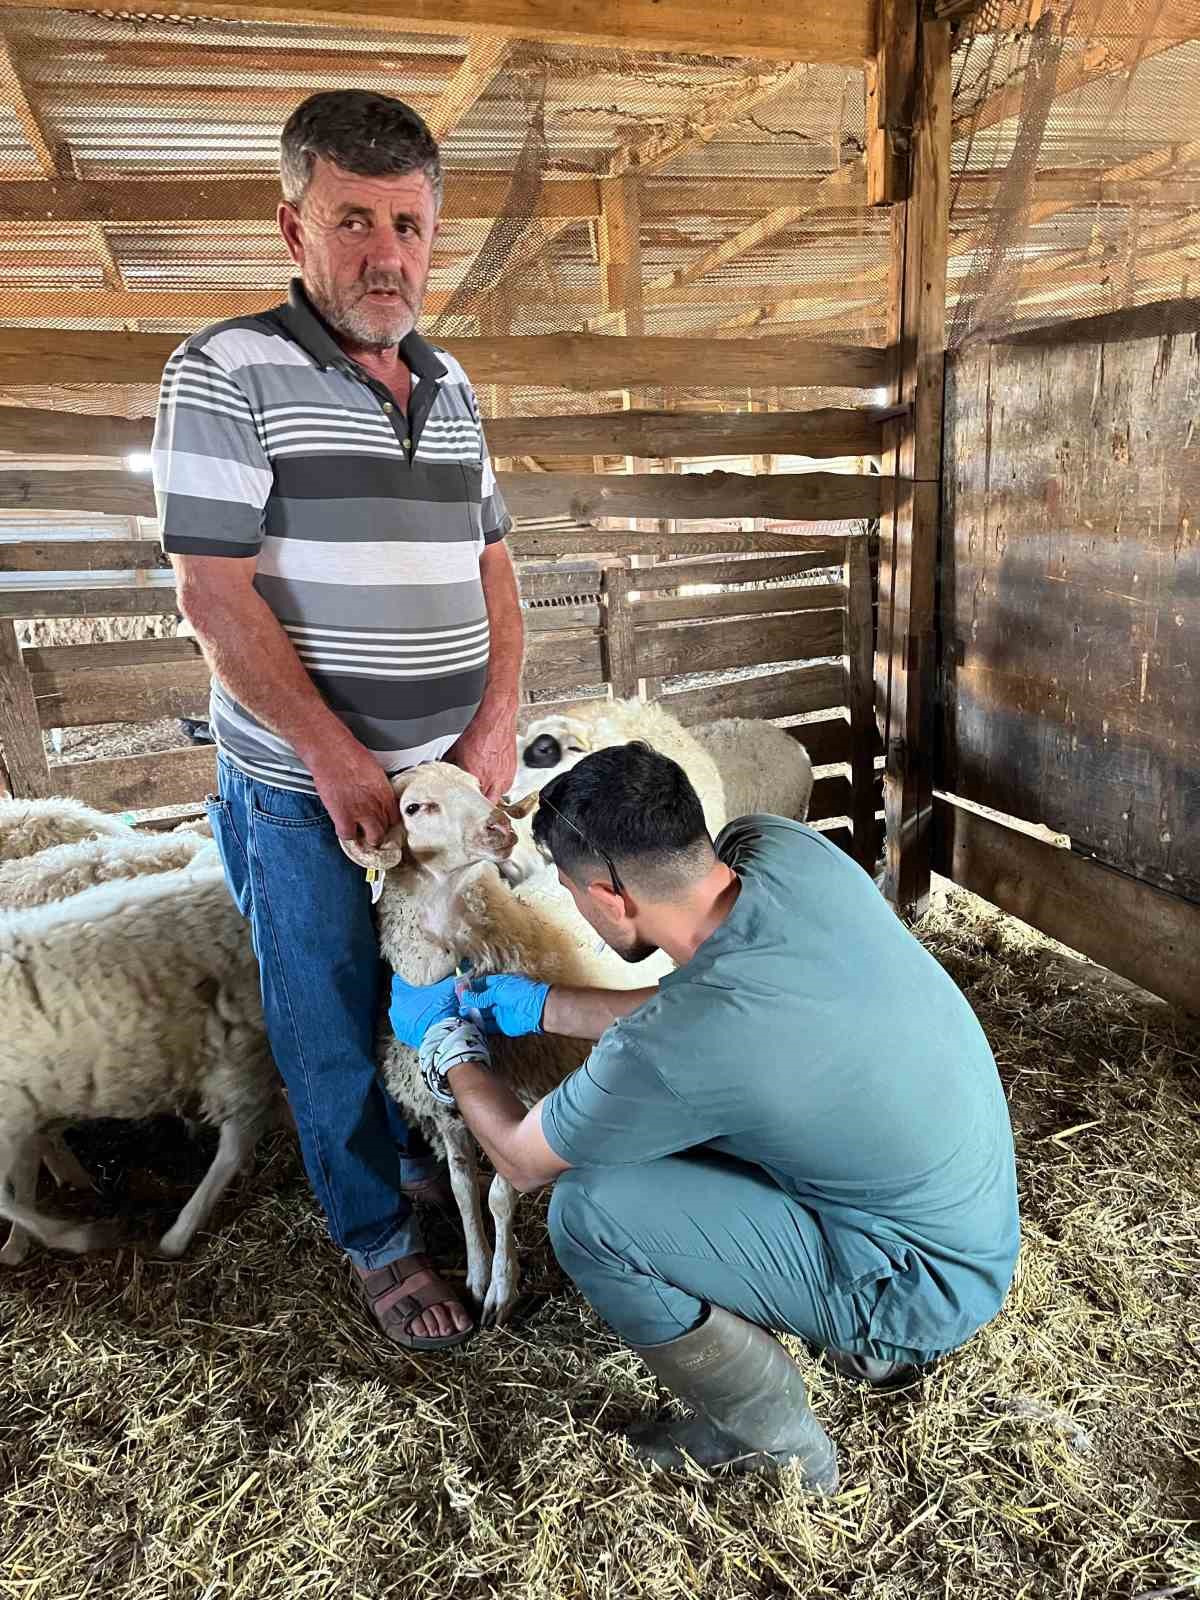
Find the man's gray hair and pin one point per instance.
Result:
(371, 135)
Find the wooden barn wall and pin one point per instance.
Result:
(1070, 596)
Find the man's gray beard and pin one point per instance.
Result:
(361, 327)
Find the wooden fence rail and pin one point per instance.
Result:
(779, 636)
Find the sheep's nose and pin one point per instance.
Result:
(544, 751)
(500, 831)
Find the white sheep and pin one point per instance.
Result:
(762, 767)
(555, 743)
(68, 869)
(128, 1000)
(29, 826)
(444, 902)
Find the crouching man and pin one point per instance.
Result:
(801, 1129)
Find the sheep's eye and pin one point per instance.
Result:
(412, 808)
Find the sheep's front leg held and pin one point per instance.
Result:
(460, 1158)
(506, 1271)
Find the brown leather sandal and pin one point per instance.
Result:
(395, 1311)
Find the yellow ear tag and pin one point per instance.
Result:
(375, 877)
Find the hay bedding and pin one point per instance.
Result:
(229, 1426)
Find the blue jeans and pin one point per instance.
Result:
(309, 912)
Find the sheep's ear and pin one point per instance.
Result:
(521, 808)
(388, 853)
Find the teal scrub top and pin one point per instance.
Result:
(812, 1034)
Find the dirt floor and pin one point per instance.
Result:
(229, 1425)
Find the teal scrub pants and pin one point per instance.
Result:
(651, 1246)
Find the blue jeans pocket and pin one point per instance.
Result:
(232, 851)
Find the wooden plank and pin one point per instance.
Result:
(796, 496)
(129, 783)
(80, 555)
(72, 658)
(588, 362)
(484, 59)
(619, 248)
(113, 493)
(560, 619)
(906, 661)
(840, 31)
(76, 699)
(889, 77)
(701, 607)
(1143, 933)
(827, 740)
(25, 431)
(201, 200)
(1161, 320)
(658, 434)
(1070, 596)
(795, 693)
(528, 543)
(559, 585)
(620, 660)
(572, 660)
(675, 574)
(22, 754)
(860, 698)
(669, 651)
(114, 602)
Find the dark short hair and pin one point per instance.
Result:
(636, 806)
(372, 135)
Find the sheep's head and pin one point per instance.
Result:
(445, 823)
(548, 746)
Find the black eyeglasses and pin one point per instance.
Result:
(618, 886)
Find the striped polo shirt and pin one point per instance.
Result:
(366, 524)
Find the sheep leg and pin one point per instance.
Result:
(63, 1165)
(233, 1150)
(506, 1269)
(460, 1158)
(22, 1185)
(19, 1160)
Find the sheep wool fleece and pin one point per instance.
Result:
(805, 1126)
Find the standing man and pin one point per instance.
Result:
(327, 499)
(802, 1128)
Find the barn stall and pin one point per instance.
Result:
(848, 380)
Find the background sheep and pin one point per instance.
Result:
(555, 743)
(128, 1000)
(443, 902)
(762, 767)
(28, 826)
(67, 869)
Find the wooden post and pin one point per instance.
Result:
(905, 662)
(620, 650)
(860, 697)
(619, 245)
(22, 753)
(888, 76)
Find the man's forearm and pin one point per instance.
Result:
(510, 1135)
(507, 628)
(250, 653)
(586, 1013)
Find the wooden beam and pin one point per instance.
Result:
(860, 699)
(619, 241)
(794, 693)
(888, 76)
(669, 651)
(121, 694)
(1160, 320)
(484, 59)
(839, 31)
(137, 783)
(140, 600)
(573, 361)
(557, 543)
(1146, 935)
(202, 200)
(26, 431)
(15, 94)
(906, 662)
(81, 555)
(829, 432)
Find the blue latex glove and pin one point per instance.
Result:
(508, 1004)
(416, 1007)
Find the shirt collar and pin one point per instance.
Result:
(307, 327)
